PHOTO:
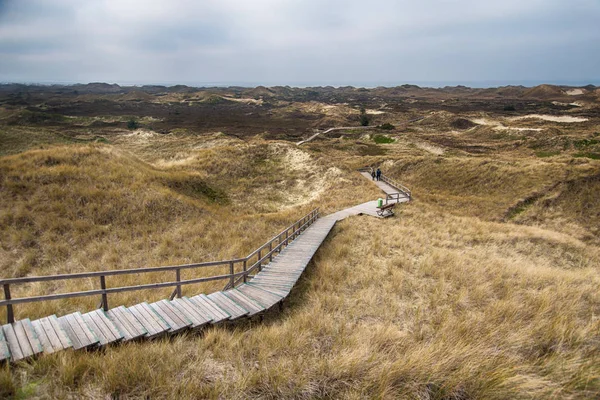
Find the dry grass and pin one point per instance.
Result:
(448, 300)
(420, 306)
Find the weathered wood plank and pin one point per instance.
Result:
(112, 328)
(198, 316)
(216, 313)
(226, 304)
(32, 336)
(24, 344)
(73, 337)
(128, 324)
(4, 350)
(62, 335)
(247, 303)
(170, 316)
(97, 330)
(89, 335)
(44, 337)
(13, 342)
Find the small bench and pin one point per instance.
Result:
(386, 210)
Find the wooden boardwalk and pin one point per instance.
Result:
(268, 287)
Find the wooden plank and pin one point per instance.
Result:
(175, 314)
(24, 343)
(78, 331)
(271, 289)
(112, 328)
(160, 322)
(127, 323)
(4, 350)
(175, 322)
(68, 329)
(234, 309)
(249, 304)
(268, 298)
(136, 329)
(59, 331)
(32, 336)
(47, 343)
(191, 311)
(89, 335)
(92, 326)
(223, 314)
(141, 318)
(13, 343)
(216, 313)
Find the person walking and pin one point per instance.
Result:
(378, 174)
(373, 173)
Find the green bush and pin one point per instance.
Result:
(387, 126)
(132, 124)
(382, 139)
(364, 120)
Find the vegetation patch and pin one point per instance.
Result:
(593, 156)
(382, 139)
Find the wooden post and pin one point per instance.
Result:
(245, 271)
(259, 260)
(286, 236)
(270, 251)
(104, 295)
(10, 316)
(178, 278)
(231, 272)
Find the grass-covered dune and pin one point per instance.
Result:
(485, 286)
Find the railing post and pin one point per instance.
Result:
(10, 316)
(270, 251)
(178, 279)
(259, 260)
(287, 236)
(104, 295)
(245, 270)
(231, 272)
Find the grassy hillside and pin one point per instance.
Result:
(421, 306)
(486, 286)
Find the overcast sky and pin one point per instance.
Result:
(308, 42)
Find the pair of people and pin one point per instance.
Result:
(376, 174)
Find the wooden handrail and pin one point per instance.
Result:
(233, 277)
(399, 187)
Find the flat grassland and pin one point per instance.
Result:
(485, 286)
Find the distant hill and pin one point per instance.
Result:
(544, 92)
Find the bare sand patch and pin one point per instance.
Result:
(374, 112)
(430, 148)
(245, 100)
(514, 128)
(551, 118)
(485, 121)
(574, 92)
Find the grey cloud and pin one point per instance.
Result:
(293, 41)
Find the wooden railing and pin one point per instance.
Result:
(252, 262)
(399, 187)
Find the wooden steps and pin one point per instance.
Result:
(127, 323)
(21, 340)
(78, 331)
(51, 334)
(102, 327)
(266, 289)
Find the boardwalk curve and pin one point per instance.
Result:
(252, 292)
